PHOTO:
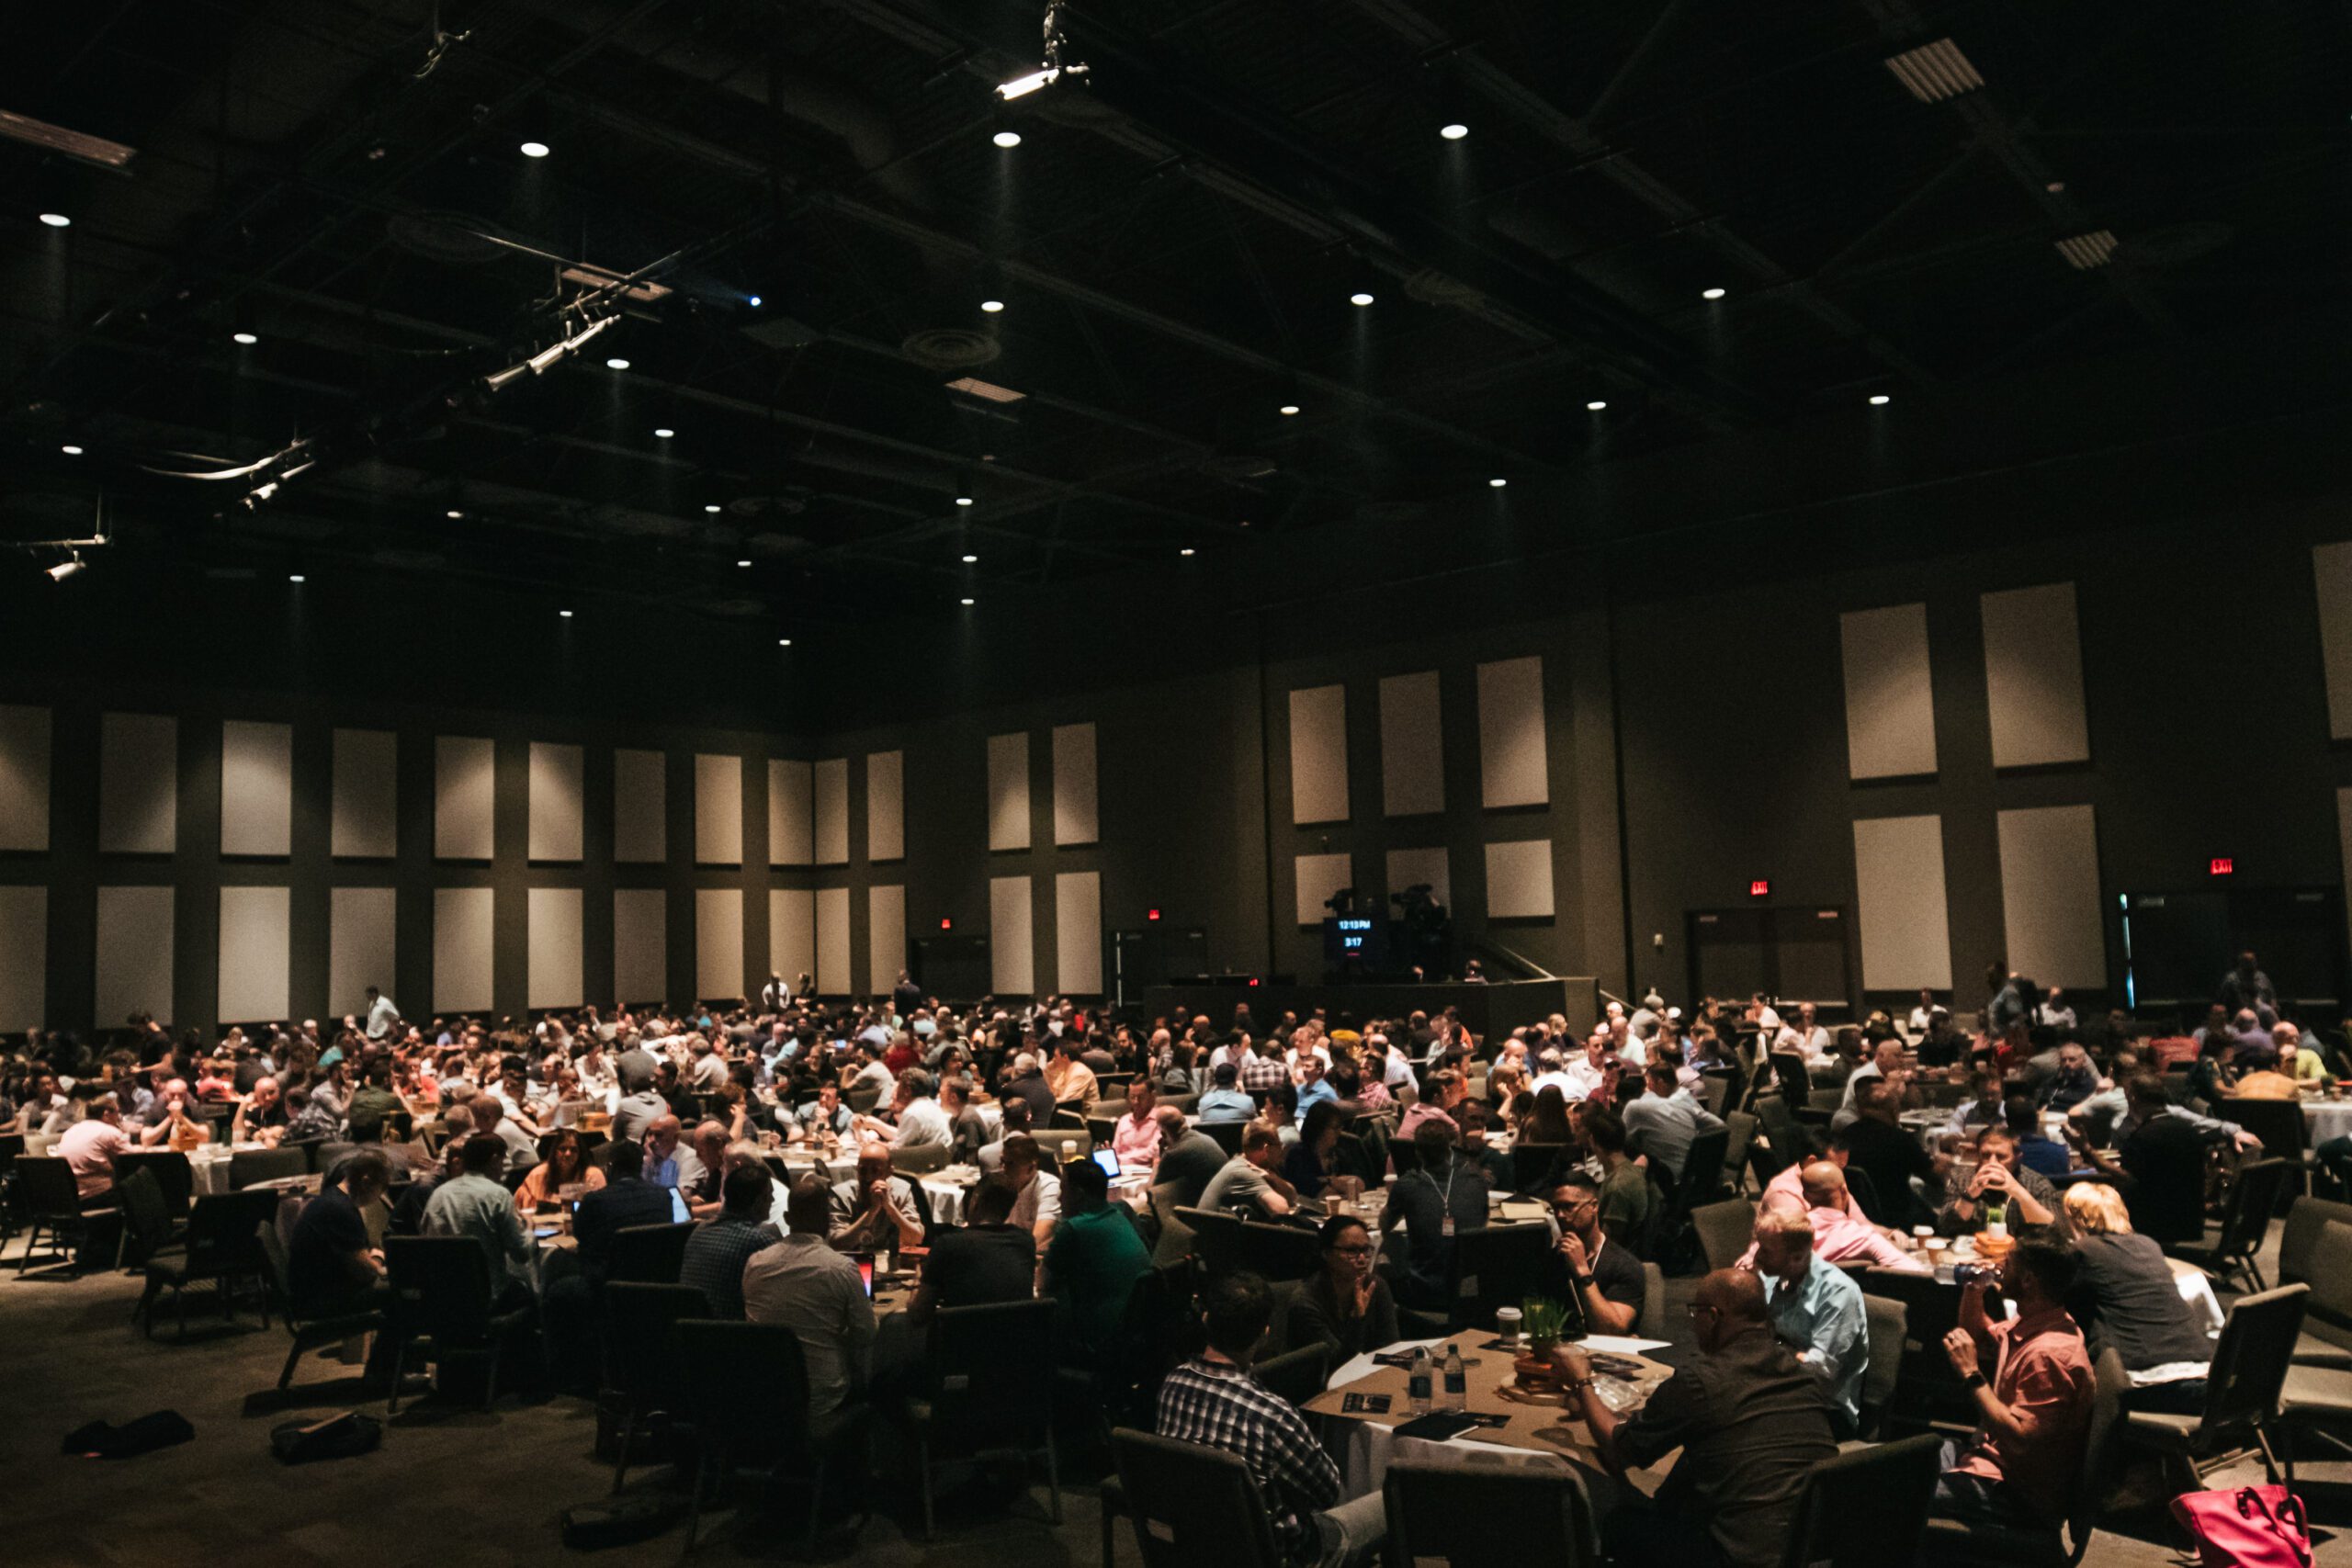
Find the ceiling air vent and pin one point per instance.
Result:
(2084, 251)
(1934, 71)
(949, 348)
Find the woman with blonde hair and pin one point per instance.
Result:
(2125, 1296)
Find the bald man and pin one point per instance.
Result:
(1837, 1236)
(1751, 1422)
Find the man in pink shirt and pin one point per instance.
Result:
(88, 1148)
(2034, 1413)
(1134, 1137)
(1839, 1233)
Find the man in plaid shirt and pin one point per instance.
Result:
(1261, 1072)
(1213, 1401)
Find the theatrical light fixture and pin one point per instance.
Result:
(1880, 399)
(57, 220)
(754, 302)
(534, 149)
(970, 560)
(455, 515)
(1185, 551)
(1595, 406)
(1497, 484)
(968, 601)
(991, 305)
(1021, 87)
(1007, 139)
(742, 563)
(1711, 294)
(539, 363)
(1288, 410)
(1454, 131)
(70, 451)
(617, 363)
(962, 500)
(565, 614)
(73, 564)
(784, 642)
(296, 577)
(76, 144)
(710, 506)
(1360, 297)
(663, 433)
(244, 339)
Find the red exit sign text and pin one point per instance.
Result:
(2221, 866)
(1760, 888)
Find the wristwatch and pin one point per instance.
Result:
(1584, 1282)
(1972, 1381)
(1578, 1386)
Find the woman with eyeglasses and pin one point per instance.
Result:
(1344, 1304)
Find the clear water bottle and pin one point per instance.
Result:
(1457, 1381)
(1416, 1382)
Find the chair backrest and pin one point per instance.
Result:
(1866, 1506)
(328, 1153)
(2253, 1198)
(1532, 1163)
(1298, 1375)
(1866, 1193)
(2330, 1281)
(174, 1178)
(1059, 1145)
(220, 1229)
(1796, 1083)
(1194, 1507)
(1703, 1172)
(1742, 1127)
(1216, 1238)
(1930, 1311)
(141, 1198)
(249, 1165)
(1487, 1516)
(2277, 1123)
(1276, 1252)
(1653, 1319)
(281, 1267)
(1226, 1134)
(745, 1388)
(2251, 1359)
(862, 1096)
(2103, 1449)
(649, 1255)
(1495, 1266)
(922, 1160)
(440, 1287)
(640, 1352)
(45, 1185)
(1175, 1236)
(2305, 1217)
(1712, 1094)
(988, 1374)
(1884, 1318)
(1725, 1230)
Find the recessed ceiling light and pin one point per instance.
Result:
(1595, 406)
(70, 451)
(1185, 551)
(455, 515)
(247, 339)
(1360, 297)
(968, 601)
(970, 559)
(615, 363)
(784, 642)
(991, 305)
(1287, 408)
(663, 433)
(565, 614)
(1880, 399)
(1454, 133)
(742, 563)
(710, 506)
(1711, 294)
(962, 500)
(1497, 484)
(534, 149)
(57, 220)
(294, 577)
(1007, 139)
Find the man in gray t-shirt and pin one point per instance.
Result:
(1249, 1180)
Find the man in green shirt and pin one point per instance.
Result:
(1625, 1197)
(1095, 1257)
(372, 1104)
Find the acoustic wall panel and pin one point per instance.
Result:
(1078, 933)
(886, 938)
(1890, 705)
(256, 791)
(836, 966)
(1009, 792)
(366, 815)
(1075, 821)
(464, 793)
(886, 808)
(461, 949)
(24, 780)
(139, 787)
(2051, 905)
(718, 811)
(557, 938)
(1514, 766)
(1319, 754)
(792, 932)
(1409, 868)
(24, 959)
(1899, 888)
(2331, 573)
(558, 818)
(1518, 880)
(134, 954)
(792, 814)
(640, 812)
(832, 813)
(719, 942)
(1013, 938)
(362, 948)
(256, 954)
(640, 945)
(1320, 876)
(2033, 678)
(1412, 748)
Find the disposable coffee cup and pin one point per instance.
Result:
(1507, 1321)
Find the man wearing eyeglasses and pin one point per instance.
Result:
(1751, 1424)
(1604, 1277)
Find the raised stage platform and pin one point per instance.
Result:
(1497, 1007)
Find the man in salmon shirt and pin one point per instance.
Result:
(2033, 1411)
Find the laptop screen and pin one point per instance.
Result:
(1109, 1160)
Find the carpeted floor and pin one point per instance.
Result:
(454, 1487)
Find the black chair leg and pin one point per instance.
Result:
(816, 1503)
(286, 1373)
(1054, 1478)
(922, 1457)
(399, 1372)
(629, 1431)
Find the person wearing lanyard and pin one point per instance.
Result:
(1430, 1203)
(1606, 1280)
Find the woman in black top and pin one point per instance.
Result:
(1344, 1305)
(2125, 1296)
(1307, 1165)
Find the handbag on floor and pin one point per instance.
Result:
(2250, 1526)
(337, 1437)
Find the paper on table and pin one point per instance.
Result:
(1619, 1344)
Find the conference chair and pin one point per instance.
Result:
(51, 1201)
(1948, 1542)
(2246, 1209)
(1532, 1164)
(984, 1396)
(1866, 1507)
(174, 1178)
(306, 1332)
(1742, 1128)
(1702, 1170)
(2244, 1386)
(1057, 1146)
(147, 1224)
(649, 1255)
(745, 1395)
(1192, 1507)
(641, 1368)
(1176, 1237)
(221, 1249)
(1217, 1239)
(1487, 1516)
(1725, 1230)
(1928, 1388)
(2315, 1249)
(1228, 1135)
(248, 1167)
(1494, 1267)
(1652, 1322)
(923, 1160)
(1885, 1326)
(441, 1308)
(1298, 1375)
(1276, 1252)
(2281, 1126)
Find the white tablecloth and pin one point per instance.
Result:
(2325, 1119)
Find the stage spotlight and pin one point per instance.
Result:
(1185, 551)
(454, 515)
(991, 305)
(1360, 297)
(296, 577)
(73, 564)
(970, 560)
(70, 451)
(1595, 406)
(1711, 294)
(754, 302)
(962, 500)
(742, 563)
(565, 614)
(1497, 484)
(1288, 410)
(663, 433)
(968, 601)
(1454, 133)
(57, 220)
(710, 506)
(784, 642)
(1880, 399)
(616, 363)
(245, 340)
(534, 149)
(1007, 139)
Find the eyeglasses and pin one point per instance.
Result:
(1353, 1251)
(1575, 1205)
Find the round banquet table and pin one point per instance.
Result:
(2325, 1119)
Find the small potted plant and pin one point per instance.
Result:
(1544, 1322)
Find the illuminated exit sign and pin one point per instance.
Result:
(2222, 865)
